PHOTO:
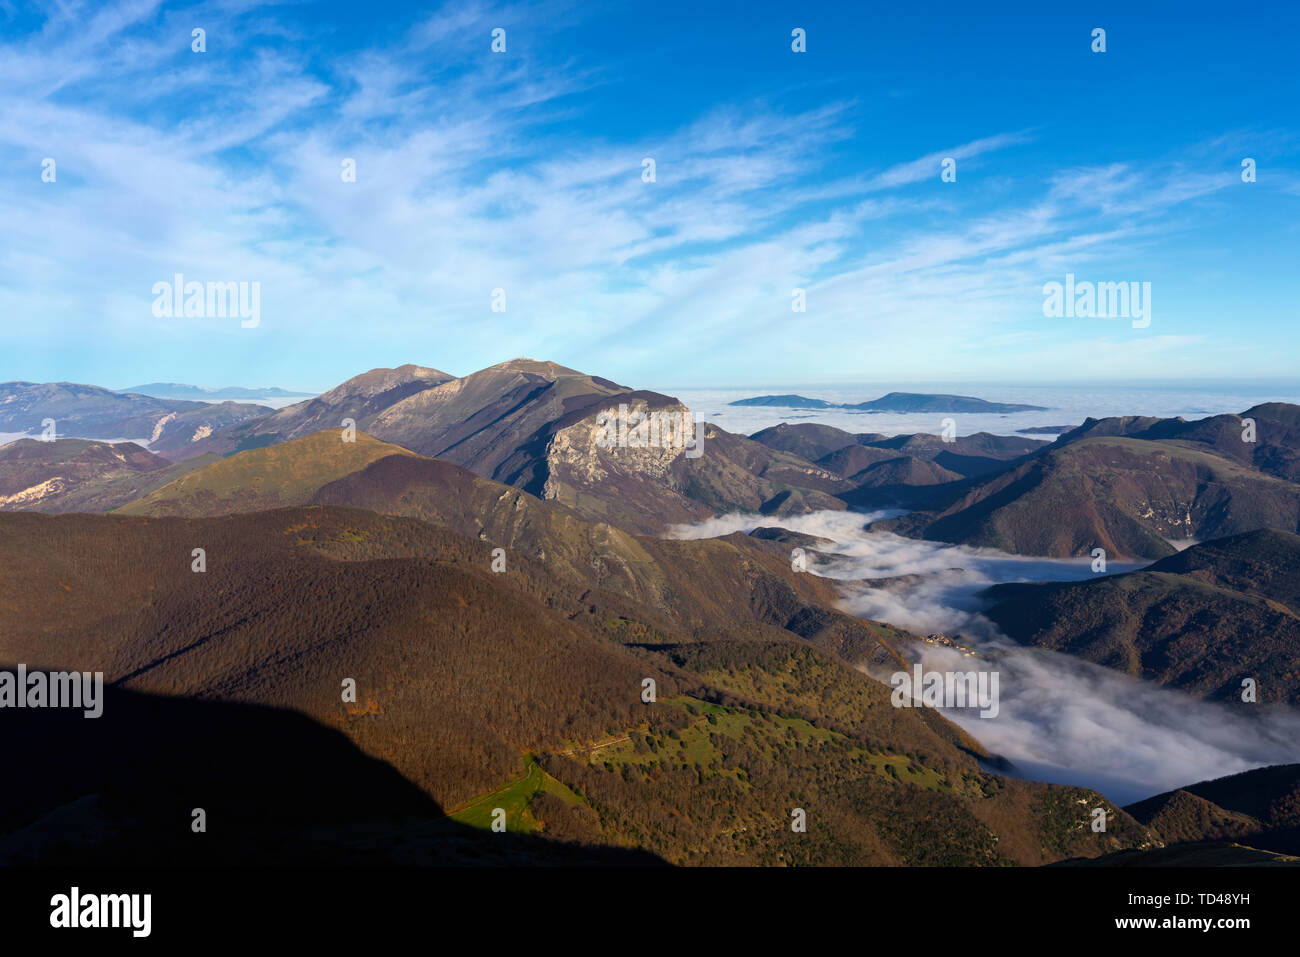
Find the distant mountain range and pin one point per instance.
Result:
(534, 425)
(91, 412)
(177, 390)
(1128, 485)
(528, 424)
(82, 475)
(893, 402)
(912, 471)
(1131, 486)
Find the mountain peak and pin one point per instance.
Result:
(380, 380)
(272, 476)
(551, 370)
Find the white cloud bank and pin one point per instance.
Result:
(1060, 719)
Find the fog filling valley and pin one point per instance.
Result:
(1061, 719)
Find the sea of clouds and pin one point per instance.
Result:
(1060, 719)
(1062, 405)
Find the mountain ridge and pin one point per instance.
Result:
(1123, 486)
(180, 390)
(1201, 620)
(894, 402)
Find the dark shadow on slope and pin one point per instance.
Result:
(277, 788)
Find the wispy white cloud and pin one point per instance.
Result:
(470, 178)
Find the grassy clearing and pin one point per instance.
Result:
(514, 798)
(699, 744)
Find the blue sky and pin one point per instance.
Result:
(775, 170)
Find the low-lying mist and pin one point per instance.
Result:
(1060, 719)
